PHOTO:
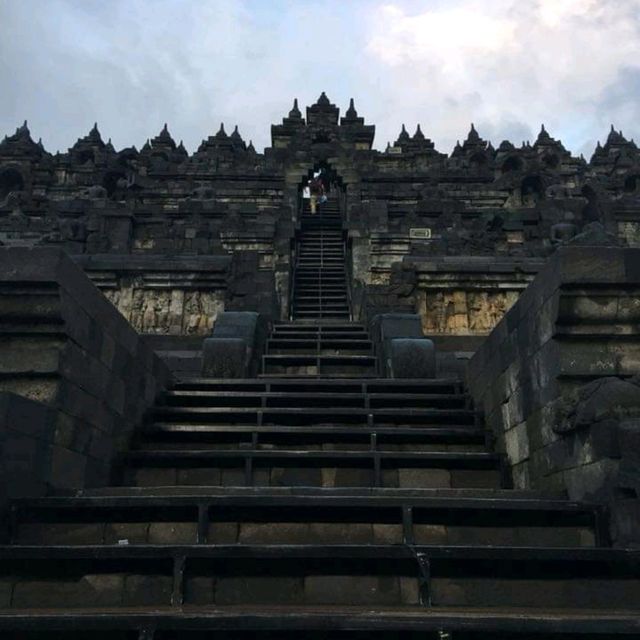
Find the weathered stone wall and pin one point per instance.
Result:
(577, 322)
(171, 296)
(64, 346)
(466, 296)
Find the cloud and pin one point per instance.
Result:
(134, 64)
(503, 62)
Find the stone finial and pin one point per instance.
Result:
(323, 100)
(251, 148)
(615, 137)
(404, 136)
(295, 112)
(94, 134)
(543, 137)
(473, 136)
(164, 133)
(221, 132)
(351, 111)
(418, 135)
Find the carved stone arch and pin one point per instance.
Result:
(479, 159)
(110, 181)
(591, 212)
(532, 189)
(632, 183)
(512, 164)
(162, 156)
(11, 179)
(85, 156)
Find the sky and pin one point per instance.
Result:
(506, 65)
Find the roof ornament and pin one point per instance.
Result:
(351, 111)
(295, 112)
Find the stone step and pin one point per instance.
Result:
(328, 385)
(303, 296)
(316, 415)
(320, 315)
(319, 350)
(311, 468)
(173, 434)
(347, 326)
(252, 622)
(320, 304)
(315, 364)
(265, 399)
(317, 315)
(315, 336)
(393, 576)
(322, 347)
(303, 519)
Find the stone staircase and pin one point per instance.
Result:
(320, 281)
(314, 501)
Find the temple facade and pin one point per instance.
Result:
(411, 414)
(172, 239)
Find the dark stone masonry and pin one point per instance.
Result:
(412, 414)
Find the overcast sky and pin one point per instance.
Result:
(505, 65)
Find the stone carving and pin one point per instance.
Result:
(95, 192)
(594, 234)
(465, 312)
(563, 232)
(200, 311)
(602, 399)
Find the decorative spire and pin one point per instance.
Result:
(236, 134)
(164, 134)
(221, 133)
(473, 136)
(295, 112)
(404, 136)
(543, 137)
(251, 149)
(323, 100)
(418, 135)
(351, 111)
(181, 150)
(615, 137)
(94, 134)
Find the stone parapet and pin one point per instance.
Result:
(454, 296)
(65, 347)
(578, 322)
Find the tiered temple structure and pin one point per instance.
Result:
(415, 414)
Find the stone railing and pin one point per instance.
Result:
(75, 377)
(555, 378)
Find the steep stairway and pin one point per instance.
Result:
(320, 281)
(314, 501)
